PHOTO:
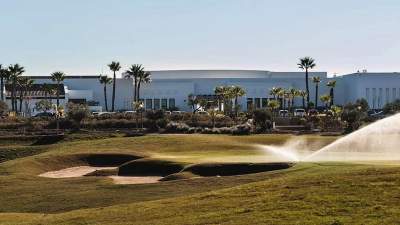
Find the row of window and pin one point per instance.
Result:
(257, 103)
(158, 103)
(377, 99)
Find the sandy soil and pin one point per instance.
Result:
(135, 180)
(78, 171)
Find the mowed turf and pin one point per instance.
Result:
(307, 193)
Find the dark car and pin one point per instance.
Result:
(44, 114)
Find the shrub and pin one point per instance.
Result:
(174, 127)
(392, 108)
(242, 129)
(3, 108)
(262, 120)
(155, 120)
(77, 112)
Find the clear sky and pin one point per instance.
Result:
(82, 36)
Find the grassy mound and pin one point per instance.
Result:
(230, 169)
(149, 167)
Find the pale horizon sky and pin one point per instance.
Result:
(82, 37)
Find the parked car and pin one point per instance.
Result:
(299, 112)
(203, 113)
(44, 115)
(177, 112)
(283, 113)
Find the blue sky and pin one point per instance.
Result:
(82, 36)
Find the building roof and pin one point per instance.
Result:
(36, 90)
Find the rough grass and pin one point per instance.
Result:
(304, 194)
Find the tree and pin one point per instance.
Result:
(275, 92)
(316, 81)
(135, 72)
(4, 75)
(273, 105)
(48, 91)
(282, 98)
(58, 77)
(196, 103)
(43, 105)
(145, 77)
(105, 80)
(293, 93)
(303, 95)
(114, 66)
(15, 71)
(326, 99)
(332, 85)
(24, 83)
(306, 64)
(237, 92)
(219, 92)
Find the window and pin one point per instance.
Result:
(257, 103)
(156, 103)
(249, 104)
(164, 103)
(387, 95)
(149, 103)
(374, 98)
(264, 102)
(171, 103)
(380, 98)
(394, 94)
(367, 94)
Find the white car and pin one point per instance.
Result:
(299, 112)
(283, 113)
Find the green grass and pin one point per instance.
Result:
(307, 193)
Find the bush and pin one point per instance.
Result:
(155, 120)
(3, 108)
(243, 129)
(174, 127)
(392, 108)
(77, 112)
(262, 120)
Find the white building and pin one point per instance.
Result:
(170, 88)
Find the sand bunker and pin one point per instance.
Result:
(81, 171)
(135, 180)
(78, 171)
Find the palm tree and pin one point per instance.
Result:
(303, 94)
(114, 66)
(23, 85)
(4, 75)
(326, 99)
(275, 91)
(58, 77)
(15, 71)
(134, 73)
(236, 93)
(281, 96)
(273, 105)
(219, 92)
(332, 85)
(316, 81)
(48, 91)
(306, 64)
(105, 80)
(145, 77)
(293, 93)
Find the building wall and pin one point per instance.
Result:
(173, 87)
